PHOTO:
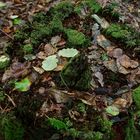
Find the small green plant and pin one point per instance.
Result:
(131, 131)
(57, 124)
(136, 97)
(27, 49)
(81, 107)
(93, 5)
(10, 128)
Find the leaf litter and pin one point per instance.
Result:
(111, 97)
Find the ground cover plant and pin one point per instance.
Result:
(69, 70)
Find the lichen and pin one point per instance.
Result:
(4, 61)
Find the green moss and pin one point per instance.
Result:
(131, 132)
(136, 97)
(93, 5)
(27, 49)
(10, 128)
(63, 9)
(75, 38)
(76, 74)
(56, 25)
(40, 31)
(124, 34)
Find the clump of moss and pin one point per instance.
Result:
(63, 9)
(75, 38)
(124, 34)
(136, 97)
(27, 49)
(93, 5)
(10, 128)
(56, 25)
(76, 74)
(131, 131)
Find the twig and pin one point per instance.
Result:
(6, 34)
(10, 99)
(63, 81)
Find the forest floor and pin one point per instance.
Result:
(69, 70)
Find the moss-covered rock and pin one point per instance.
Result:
(76, 74)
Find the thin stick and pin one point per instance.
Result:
(6, 34)
(11, 100)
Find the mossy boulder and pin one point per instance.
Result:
(76, 74)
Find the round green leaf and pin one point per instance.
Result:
(69, 52)
(23, 85)
(50, 63)
(112, 110)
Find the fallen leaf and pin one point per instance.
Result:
(126, 62)
(99, 75)
(120, 103)
(39, 70)
(55, 40)
(121, 69)
(111, 65)
(117, 53)
(49, 49)
(103, 42)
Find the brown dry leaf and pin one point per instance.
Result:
(121, 69)
(49, 49)
(55, 40)
(59, 95)
(103, 42)
(126, 62)
(41, 55)
(111, 65)
(120, 103)
(7, 29)
(117, 53)
(39, 70)
(99, 75)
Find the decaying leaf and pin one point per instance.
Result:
(49, 49)
(55, 40)
(126, 62)
(111, 65)
(99, 75)
(117, 53)
(39, 70)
